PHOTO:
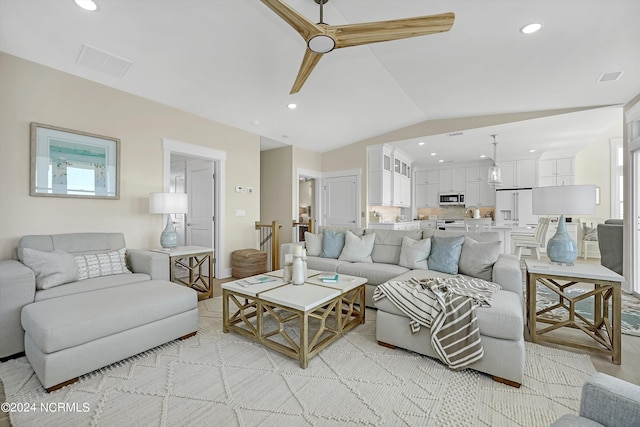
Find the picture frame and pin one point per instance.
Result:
(71, 163)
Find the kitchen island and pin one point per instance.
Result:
(505, 232)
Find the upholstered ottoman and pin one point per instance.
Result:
(71, 336)
(248, 262)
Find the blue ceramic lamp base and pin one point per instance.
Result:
(561, 248)
(169, 237)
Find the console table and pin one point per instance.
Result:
(605, 327)
(198, 261)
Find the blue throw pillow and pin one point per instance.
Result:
(332, 244)
(445, 254)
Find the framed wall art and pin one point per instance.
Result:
(70, 163)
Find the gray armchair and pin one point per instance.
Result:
(606, 401)
(610, 244)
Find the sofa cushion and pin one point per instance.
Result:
(356, 248)
(60, 323)
(51, 268)
(375, 273)
(388, 244)
(477, 258)
(91, 285)
(102, 264)
(324, 264)
(313, 243)
(332, 244)
(414, 253)
(445, 254)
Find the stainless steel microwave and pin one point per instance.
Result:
(451, 199)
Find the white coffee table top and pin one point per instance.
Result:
(241, 286)
(345, 282)
(301, 297)
(280, 273)
(586, 271)
(183, 250)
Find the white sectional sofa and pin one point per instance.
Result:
(69, 325)
(501, 325)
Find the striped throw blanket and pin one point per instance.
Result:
(446, 305)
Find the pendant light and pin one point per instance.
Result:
(495, 175)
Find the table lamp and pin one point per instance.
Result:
(168, 203)
(563, 200)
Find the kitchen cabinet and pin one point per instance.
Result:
(519, 173)
(389, 177)
(409, 225)
(429, 224)
(427, 195)
(452, 180)
(556, 172)
(477, 192)
(427, 177)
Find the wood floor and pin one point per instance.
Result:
(629, 369)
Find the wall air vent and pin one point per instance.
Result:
(610, 77)
(105, 62)
(455, 134)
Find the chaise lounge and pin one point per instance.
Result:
(69, 325)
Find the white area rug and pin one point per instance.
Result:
(222, 379)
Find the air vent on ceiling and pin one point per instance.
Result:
(610, 77)
(455, 134)
(105, 62)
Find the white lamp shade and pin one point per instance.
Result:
(168, 203)
(565, 200)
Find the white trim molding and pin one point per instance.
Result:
(170, 146)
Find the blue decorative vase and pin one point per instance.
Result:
(561, 248)
(169, 237)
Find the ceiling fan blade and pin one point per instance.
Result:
(374, 32)
(309, 62)
(299, 23)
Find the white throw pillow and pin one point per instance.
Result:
(356, 248)
(313, 243)
(104, 264)
(414, 253)
(51, 268)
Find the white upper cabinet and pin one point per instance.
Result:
(519, 173)
(452, 180)
(389, 177)
(557, 172)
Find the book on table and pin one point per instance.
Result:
(255, 280)
(328, 277)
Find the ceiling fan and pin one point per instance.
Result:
(322, 38)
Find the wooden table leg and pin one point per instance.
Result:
(531, 305)
(617, 325)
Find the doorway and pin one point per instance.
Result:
(307, 203)
(199, 172)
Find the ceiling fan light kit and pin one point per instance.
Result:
(322, 38)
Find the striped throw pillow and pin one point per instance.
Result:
(104, 264)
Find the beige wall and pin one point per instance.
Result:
(276, 189)
(593, 166)
(31, 92)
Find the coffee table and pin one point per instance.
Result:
(297, 321)
(603, 330)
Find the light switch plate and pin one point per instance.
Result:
(241, 212)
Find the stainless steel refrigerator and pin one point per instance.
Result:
(514, 207)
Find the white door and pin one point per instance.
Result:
(201, 207)
(178, 185)
(341, 201)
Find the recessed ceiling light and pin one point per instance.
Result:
(256, 122)
(440, 161)
(292, 106)
(433, 154)
(482, 156)
(89, 5)
(421, 143)
(532, 150)
(531, 28)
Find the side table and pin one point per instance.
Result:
(194, 259)
(604, 330)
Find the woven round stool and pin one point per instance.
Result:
(248, 262)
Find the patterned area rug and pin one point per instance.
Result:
(630, 307)
(226, 380)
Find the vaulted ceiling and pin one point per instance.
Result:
(234, 61)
